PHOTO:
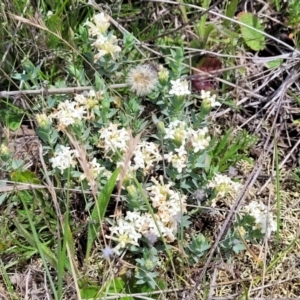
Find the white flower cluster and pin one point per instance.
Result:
(184, 136)
(179, 88)
(115, 140)
(263, 218)
(224, 185)
(208, 99)
(101, 25)
(145, 155)
(168, 205)
(105, 43)
(64, 158)
(96, 170)
(70, 112)
(89, 100)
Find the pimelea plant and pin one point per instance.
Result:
(102, 142)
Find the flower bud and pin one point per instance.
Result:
(131, 189)
(43, 120)
(161, 127)
(179, 136)
(4, 150)
(163, 75)
(149, 265)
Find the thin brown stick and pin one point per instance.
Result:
(46, 92)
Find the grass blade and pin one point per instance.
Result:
(99, 211)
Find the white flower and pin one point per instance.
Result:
(159, 192)
(4, 150)
(113, 139)
(263, 218)
(132, 216)
(80, 98)
(145, 155)
(179, 88)
(152, 227)
(177, 131)
(101, 39)
(106, 46)
(142, 79)
(224, 185)
(95, 168)
(101, 24)
(68, 113)
(208, 99)
(89, 100)
(167, 204)
(199, 139)
(140, 221)
(165, 199)
(169, 234)
(64, 158)
(178, 161)
(181, 151)
(167, 210)
(124, 234)
(93, 94)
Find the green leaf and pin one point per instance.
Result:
(17, 164)
(230, 11)
(3, 198)
(237, 248)
(254, 39)
(99, 211)
(275, 63)
(25, 177)
(114, 286)
(89, 292)
(13, 120)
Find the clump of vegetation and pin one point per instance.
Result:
(122, 178)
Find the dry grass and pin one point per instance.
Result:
(266, 108)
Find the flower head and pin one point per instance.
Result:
(142, 79)
(113, 139)
(179, 162)
(163, 75)
(209, 100)
(43, 120)
(177, 131)
(263, 218)
(145, 155)
(151, 238)
(68, 113)
(89, 100)
(224, 185)
(179, 88)
(106, 45)
(167, 204)
(107, 252)
(64, 158)
(124, 233)
(199, 139)
(4, 150)
(100, 25)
